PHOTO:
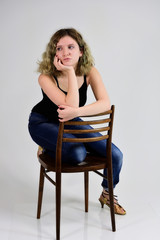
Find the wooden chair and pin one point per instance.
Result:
(91, 162)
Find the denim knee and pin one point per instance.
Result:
(77, 154)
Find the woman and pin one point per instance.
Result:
(66, 71)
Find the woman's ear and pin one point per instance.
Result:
(81, 53)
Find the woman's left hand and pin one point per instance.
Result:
(66, 113)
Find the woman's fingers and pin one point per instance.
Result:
(57, 63)
(66, 113)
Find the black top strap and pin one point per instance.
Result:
(56, 81)
(85, 82)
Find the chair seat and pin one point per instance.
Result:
(91, 163)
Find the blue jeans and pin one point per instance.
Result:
(45, 132)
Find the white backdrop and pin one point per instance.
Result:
(124, 38)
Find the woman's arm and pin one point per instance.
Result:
(102, 103)
(54, 93)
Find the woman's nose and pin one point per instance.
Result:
(65, 51)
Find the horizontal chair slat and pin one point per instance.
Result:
(87, 122)
(94, 139)
(79, 131)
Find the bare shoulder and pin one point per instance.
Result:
(93, 71)
(97, 85)
(43, 78)
(93, 75)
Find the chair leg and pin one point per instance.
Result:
(58, 204)
(40, 194)
(111, 197)
(86, 180)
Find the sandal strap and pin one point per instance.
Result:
(107, 193)
(107, 201)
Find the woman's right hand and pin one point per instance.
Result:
(60, 66)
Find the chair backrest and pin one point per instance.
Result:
(102, 123)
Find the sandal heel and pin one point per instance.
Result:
(101, 202)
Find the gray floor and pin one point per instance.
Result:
(18, 213)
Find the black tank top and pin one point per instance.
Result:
(47, 108)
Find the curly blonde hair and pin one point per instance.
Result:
(85, 62)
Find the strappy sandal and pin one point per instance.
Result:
(40, 151)
(118, 209)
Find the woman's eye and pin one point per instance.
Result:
(71, 47)
(59, 49)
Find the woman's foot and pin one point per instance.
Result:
(104, 199)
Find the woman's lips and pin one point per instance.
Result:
(66, 59)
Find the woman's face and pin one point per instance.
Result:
(68, 51)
